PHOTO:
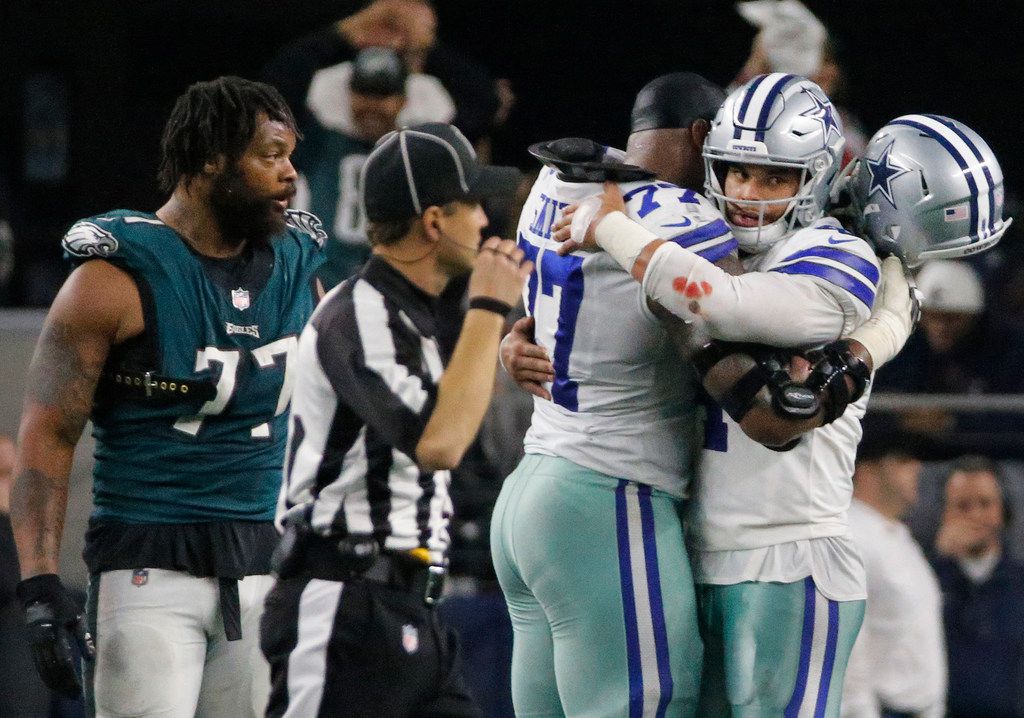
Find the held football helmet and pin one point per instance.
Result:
(784, 121)
(928, 187)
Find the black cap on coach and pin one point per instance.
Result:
(425, 165)
(378, 71)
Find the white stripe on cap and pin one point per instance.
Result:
(408, 172)
(451, 151)
(985, 208)
(466, 142)
(381, 144)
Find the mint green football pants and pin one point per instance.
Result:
(774, 649)
(598, 585)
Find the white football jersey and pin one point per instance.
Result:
(749, 496)
(622, 399)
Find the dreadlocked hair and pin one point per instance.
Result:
(215, 118)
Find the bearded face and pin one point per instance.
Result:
(243, 212)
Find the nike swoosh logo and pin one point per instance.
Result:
(685, 223)
(833, 240)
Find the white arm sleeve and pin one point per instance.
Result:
(775, 309)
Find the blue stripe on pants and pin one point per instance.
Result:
(654, 595)
(636, 685)
(806, 637)
(830, 658)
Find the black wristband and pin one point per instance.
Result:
(739, 399)
(489, 304)
(44, 587)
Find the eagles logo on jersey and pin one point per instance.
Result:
(86, 239)
(306, 222)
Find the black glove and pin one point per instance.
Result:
(53, 622)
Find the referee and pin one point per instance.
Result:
(376, 423)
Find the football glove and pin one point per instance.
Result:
(54, 621)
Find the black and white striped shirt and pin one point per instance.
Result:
(366, 383)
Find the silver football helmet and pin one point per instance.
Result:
(928, 187)
(785, 121)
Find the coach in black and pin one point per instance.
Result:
(376, 423)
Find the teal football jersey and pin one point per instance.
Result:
(234, 324)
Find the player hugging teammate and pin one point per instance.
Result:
(785, 352)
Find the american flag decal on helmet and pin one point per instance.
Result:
(957, 213)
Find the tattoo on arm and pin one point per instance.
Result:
(61, 378)
(44, 498)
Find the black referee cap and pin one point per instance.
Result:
(425, 165)
(675, 101)
(378, 71)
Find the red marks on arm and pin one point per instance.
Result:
(692, 290)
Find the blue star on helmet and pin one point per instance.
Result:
(883, 171)
(824, 113)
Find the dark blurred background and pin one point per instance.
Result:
(86, 86)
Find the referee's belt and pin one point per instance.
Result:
(321, 558)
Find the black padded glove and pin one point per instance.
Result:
(54, 621)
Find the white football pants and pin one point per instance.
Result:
(161, 651)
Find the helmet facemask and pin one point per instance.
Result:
(775, 120)
(801, 208)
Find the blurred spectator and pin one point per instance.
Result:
(22, 693)
(368, 94)
(410, 27)
(983, 587)
(958, 349)
(898, 664)
(791, 39)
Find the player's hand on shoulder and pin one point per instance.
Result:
(499, 272)
(526, 362)
(575, 229)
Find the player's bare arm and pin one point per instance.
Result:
(464, 392)
(767, 417)
(98, 307)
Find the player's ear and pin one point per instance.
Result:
(699, 129)
(431, 221)
(215, 165)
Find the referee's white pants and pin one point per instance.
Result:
(161, 651)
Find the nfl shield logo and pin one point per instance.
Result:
(240, 298)
(140, 577)
(410, 639)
